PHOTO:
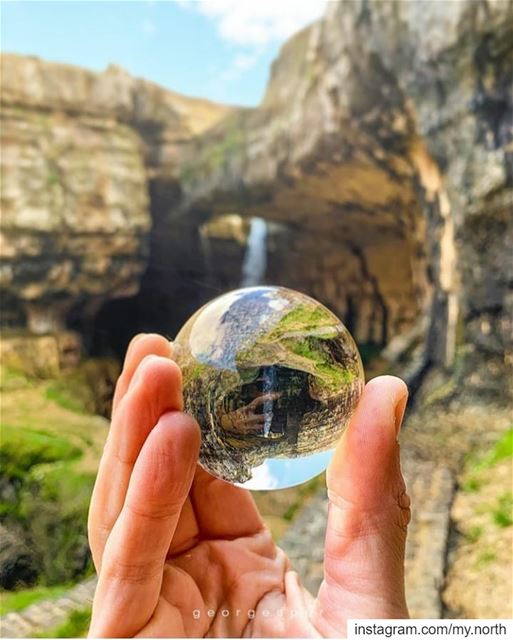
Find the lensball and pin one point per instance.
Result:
(272, 377)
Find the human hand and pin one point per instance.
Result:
(247, 419)
(180, 553)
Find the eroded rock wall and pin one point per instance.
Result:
(391, 123)
(380, 157)
(80, 151)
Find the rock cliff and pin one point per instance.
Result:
(78, 151)
(381, 158)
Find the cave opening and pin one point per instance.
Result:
(372, 278)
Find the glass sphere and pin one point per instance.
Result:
(272, 377)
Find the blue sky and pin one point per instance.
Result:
(279, 473)
(218, 49)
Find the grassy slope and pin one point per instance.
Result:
(298, 340)
(18, 600)
(49, 451)
(480, 581)
(37, 406)
(76, 626)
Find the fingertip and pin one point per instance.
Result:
(390, 392)
(180, 441)
(182, 427)
(390, 386)
(146, 344)
(153, 368)
(367, 448)
(165, 468)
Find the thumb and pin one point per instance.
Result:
(368, 514)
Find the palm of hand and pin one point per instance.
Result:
(216, 588)
(180, 553)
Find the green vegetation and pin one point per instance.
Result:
(22, 449)
(502, 513)
(53, 177)
(485, 557)
(475, 476)
(474, 533)
(195, 370)
(332, 375)
(217, 154)
(48, 456)
(18, 600)
(11, 379)
(307, 319)
(65, 396)
(471, 484)
(301, 339)
(76, 626)
(303, 492)
(486, 506)
(502, 450)
(48, 501)
(86, 390)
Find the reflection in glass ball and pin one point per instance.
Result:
(272, 377)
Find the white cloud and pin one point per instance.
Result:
(241, 63)
(252, 23)
(244, 61)
(250, 26)
(148, 26)
(262, 477)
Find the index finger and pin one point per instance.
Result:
(140, 346)
(267, 397)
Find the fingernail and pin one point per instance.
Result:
(400, 408)
(140, 371)
(133, 342)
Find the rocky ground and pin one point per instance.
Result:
(474, 442)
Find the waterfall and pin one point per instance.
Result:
(269, 386)
(206, 250)
(255, 258)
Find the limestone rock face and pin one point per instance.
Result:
(77, 151)
(386, 133)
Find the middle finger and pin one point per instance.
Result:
(154, 390)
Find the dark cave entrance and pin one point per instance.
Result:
(374, 281)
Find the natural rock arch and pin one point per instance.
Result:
(381, 154)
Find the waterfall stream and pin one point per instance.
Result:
(255, 258)
(253, 272)
(206, 250)
(268, 387)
